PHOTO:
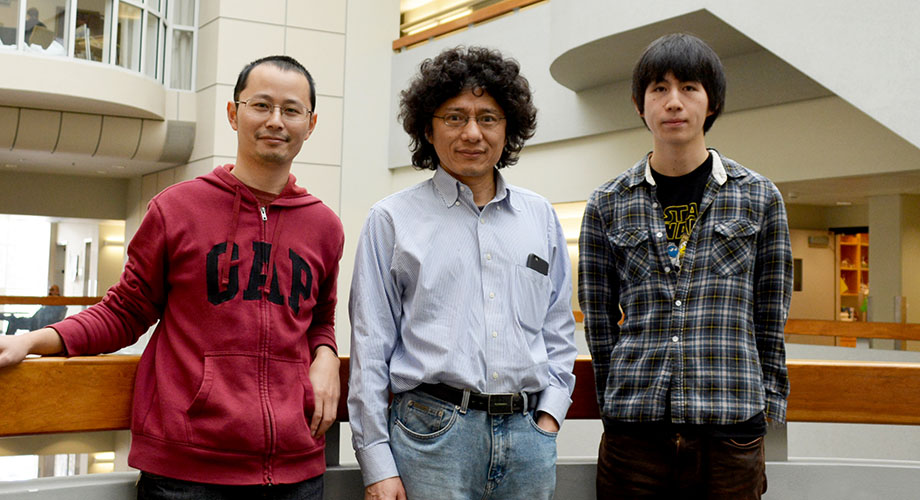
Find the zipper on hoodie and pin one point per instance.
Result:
(267, 464)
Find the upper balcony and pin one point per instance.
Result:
(92, 86)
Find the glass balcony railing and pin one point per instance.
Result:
(153, 37)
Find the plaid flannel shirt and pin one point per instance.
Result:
(711, 331)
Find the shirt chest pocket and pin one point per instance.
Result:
(532, 294)
(631, 249)
(733, 243)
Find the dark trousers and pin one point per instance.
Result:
(674, 466)
(153, 487)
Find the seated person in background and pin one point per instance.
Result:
(45, 316)
(31, 22)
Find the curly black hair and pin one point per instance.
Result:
(448, 75)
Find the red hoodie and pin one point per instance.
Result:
(222, 393)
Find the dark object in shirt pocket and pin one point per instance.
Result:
(537, 264)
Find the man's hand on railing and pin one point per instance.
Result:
(15, 348)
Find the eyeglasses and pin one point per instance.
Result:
(459, 120)
(263, 108)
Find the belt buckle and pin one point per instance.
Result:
(500, 404)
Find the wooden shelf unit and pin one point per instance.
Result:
(853, 277)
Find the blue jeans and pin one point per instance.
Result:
(153, 487)
(446, 453)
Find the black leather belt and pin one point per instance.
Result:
(493, 404)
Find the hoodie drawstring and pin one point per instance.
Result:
(271, 256)
(231, 240)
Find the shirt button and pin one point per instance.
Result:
(667, 269)
(658, 234)
(482, 221)
(654, 205)
(677, 303)
(456, 203)
(494, 334)
(488, 256)
(494, 375)
(462, 188)
(491, 295)
(675, 338)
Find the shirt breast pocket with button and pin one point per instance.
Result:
(733, 246)
(631, 250)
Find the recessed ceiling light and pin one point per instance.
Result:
(10, 165)
(844, 203)
(118, 167)
(103, 172)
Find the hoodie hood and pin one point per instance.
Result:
(291, 196)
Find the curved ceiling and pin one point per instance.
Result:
(757, 77)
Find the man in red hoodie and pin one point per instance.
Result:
(239, 381)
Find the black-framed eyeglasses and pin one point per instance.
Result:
(459, 120)
(290, 111)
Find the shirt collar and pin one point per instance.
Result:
(718, 169)
(449, 188)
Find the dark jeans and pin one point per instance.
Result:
(153, 487)
(674, 466)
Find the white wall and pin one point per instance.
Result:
(23, 265)
(74, 234)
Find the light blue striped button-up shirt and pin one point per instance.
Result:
(442, 293)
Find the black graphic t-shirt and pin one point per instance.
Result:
(680, 199)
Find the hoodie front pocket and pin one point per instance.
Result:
(291, 395)
(227, 413)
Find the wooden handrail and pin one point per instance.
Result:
(52, 395)
(477, 16)
(864, 329)
(830, 328)
(48, 395)
(49, 300)
(854, 392)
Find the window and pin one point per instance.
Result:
(44, 27)
(128, 50)
(152, 43)
(92, 27)
(9, 24)
(183, 12)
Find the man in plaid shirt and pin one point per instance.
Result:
(691, 251)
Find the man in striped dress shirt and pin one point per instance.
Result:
(461, 302)
(695, 250)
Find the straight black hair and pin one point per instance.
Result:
(689, 59)
(285, 63)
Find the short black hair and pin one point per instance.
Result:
(450, 73)
(690, 60)
(285, 63)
